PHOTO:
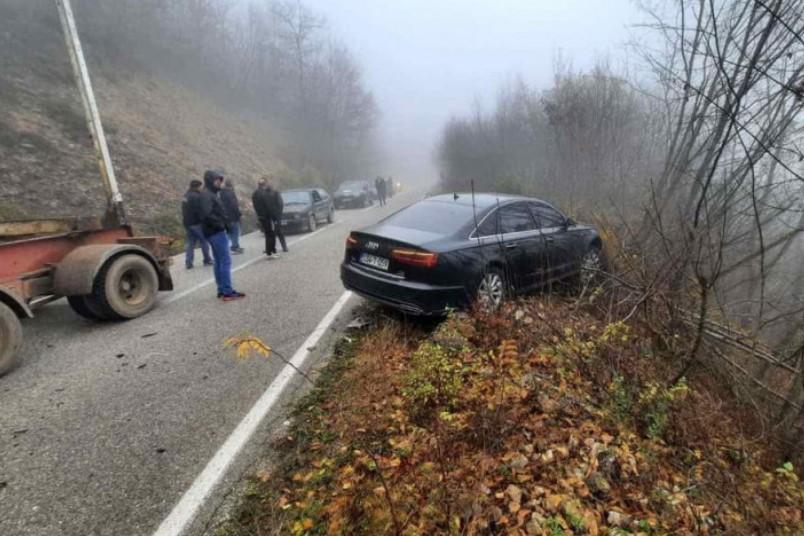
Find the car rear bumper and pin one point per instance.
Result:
(413, 298)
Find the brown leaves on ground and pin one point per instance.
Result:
(534, 421)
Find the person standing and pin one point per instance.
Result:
(380, 185)
(262, 207)
(213, 225)
(191, 218)
(276, 206)
(232, 208)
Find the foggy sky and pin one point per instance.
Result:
(427, 60)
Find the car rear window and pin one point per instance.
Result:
(433, 216)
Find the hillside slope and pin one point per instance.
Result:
(161, 133)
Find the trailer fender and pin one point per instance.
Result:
(15, 303)
(75, 274)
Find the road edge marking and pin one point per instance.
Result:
(185, 511)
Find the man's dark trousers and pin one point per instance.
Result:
(278, 233)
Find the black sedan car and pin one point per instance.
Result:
(305, 208)
(445, 252)
(354, 194)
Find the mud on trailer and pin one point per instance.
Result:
(104, 271)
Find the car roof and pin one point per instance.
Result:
(481, 200)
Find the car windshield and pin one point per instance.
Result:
(351, 186)
(434, 216)
(296, 198)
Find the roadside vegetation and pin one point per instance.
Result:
(691, 160)
(549, 417)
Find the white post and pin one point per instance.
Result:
(73, 42)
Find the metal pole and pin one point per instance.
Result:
(115, 199)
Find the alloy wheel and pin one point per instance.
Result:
(591, 265)
(491, 291)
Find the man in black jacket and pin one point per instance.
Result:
(262, 207)
(190, 209)
(277, 207)
(233, 215)
(213, 225)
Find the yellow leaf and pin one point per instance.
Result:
(307, 524)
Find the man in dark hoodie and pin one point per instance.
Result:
(213, 224)
(232, 208)
(262, 207)
(191, 218)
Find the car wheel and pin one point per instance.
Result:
(126, 287)
(312, 223)
(493, 290)
(331, 215)
(592, 265)
(10, 338)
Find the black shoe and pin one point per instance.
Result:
(208, 263)
(190, 267)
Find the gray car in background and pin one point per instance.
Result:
(305, 208)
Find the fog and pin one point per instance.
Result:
(428, 61)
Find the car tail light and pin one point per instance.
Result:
(351, 242)
(415, 258)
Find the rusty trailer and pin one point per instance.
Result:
(105, 272)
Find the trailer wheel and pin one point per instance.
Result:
(10, 338)
(87, 307)
(126, 287)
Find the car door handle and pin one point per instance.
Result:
(549, 238)
(511, 245)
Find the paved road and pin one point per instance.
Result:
(104, 426)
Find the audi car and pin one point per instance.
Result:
(448, 251)
(305, 208)
(354, 194)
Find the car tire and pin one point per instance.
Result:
(10, 338)
(312, 223)
(493, 289)
(126, 287)
(592, 264)
(87, 307)
(331, 215)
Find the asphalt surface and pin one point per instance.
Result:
(103, 427)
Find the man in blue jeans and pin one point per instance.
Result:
(191, 218)
(213, 224)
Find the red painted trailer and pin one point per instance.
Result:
(104, 271)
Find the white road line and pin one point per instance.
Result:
(187, 508)
(210, 281)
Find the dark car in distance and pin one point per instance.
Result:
(447, 251)
(354, 194)
(305, 208)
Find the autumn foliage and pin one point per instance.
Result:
(536, 420)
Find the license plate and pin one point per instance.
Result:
(380, 263)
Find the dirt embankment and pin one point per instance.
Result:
(161, 134)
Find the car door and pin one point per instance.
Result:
(318, 205)
(558, 241)
(522, 245)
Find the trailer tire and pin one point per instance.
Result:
(10, 338)
(87, 307)
(126, 287)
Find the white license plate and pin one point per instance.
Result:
(380, 263)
